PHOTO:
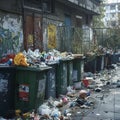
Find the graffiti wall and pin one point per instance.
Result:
(11, 34)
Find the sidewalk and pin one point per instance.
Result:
(108, 106)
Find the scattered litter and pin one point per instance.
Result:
(98, 89)
(98, 114)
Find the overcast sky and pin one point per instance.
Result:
(112, 1)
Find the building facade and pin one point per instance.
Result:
(28, 22)
(112, 13)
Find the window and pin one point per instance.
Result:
(44, 5)
(113, 15)
(113, 23)
(118, 16)
(112, 7)
(107, 7)
(118, 6)
(107, 15)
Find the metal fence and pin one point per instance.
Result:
(79, 40)
(73, 39)
(108, 37)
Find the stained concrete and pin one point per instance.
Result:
(108, 102)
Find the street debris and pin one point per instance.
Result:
(81, 97)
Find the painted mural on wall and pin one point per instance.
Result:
(11, 34)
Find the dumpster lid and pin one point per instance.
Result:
(52, 63)
(66, 59)
(32, 68)
(6, 66)
(78, 55)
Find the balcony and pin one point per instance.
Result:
(90, 6)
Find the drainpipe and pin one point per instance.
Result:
(23, 20)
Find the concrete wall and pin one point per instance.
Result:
(78, 19)
(11, 33)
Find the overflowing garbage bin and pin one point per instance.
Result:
(61, 82)
(70, 72)
(108, 60)
(115, 58)
(30, 87)
(7, 89)
(51, 81)
(78, 68)
(99, 63)
(103, 62)
(90, 64)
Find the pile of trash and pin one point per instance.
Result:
(75, 101)
(61, 108)
(37, 58)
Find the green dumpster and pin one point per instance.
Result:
(61, 82)
(30, 87)
(78, 69)
(99, 62)
(51, 81)
(7, 89)
(70, 72)
(90, 64)
(103, 62)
